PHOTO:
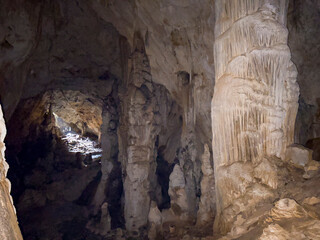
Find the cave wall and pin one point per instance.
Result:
(9, 228)
(53, 188)
(173, 32)
(19, 37)
(254, 102)
(304, 34)
(55, 45)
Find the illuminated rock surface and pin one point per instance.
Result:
(255, 98)
(9, 228)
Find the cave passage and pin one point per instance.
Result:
(77, 143)
(54, 151)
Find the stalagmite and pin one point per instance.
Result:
(138, 133)
(105, 218)
(109, 144)
(177, 193)
(207, 201)
(254, 102)
(155, 221)
(9, 228)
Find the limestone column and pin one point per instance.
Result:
(137, 136)
(188, 154)
(9, 228)
(254, 103)
(109, 145)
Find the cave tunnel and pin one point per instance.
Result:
(54, 149)
(193, 120)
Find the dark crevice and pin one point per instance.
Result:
(163, 172)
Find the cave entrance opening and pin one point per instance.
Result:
(54, 152)
(77, 143)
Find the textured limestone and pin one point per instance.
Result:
(178, 41)
(80, 111)
(302, 225)
(285, 209)
(301, 157)
(298, 155)
(311, 169)
(207, 204)
(266, 172)
(150, 124)
(104, 225)
(254, 102)
(155, 221)
(177, 192)
(109, 163)
(53, 57)
(173, 32)
(311, 201)
(9, 228)
(137, 139)
(18, 39)
(287, 219)
(47, 51)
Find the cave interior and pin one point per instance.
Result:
(166, 119)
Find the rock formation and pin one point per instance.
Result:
(207, 206)
(177, 193)
(155, 222)
(254, 102)
(138, 131)
(9, 228)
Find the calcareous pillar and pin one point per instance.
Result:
(254, 103)
(137, 136)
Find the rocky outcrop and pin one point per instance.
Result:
(295, 215)
(298, 155)
(301, 157)
(9, 228)
(254, 102)
(287, 219)
(178, 194)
